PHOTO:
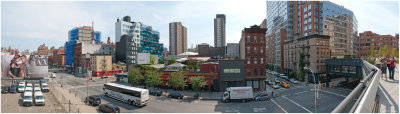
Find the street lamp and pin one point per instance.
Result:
(315, 86)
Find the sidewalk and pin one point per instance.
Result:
(65, 97)
(388, 92)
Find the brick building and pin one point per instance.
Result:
(315, 49)
(252, 46)
(43, 50)
(368, 39)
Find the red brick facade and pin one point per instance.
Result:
(369, 38)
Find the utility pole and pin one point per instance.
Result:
(315, 87)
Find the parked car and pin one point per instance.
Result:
(93, 100)
(104, 76)
(270, 82)
(45, 87)
(280, 75)
(285, 84)
(277, 80)
(13, 88)
(22, 82)
(37, 89)
(294, 81)
(39, 98)
(109, 108)
(341, 83)
(261, 97)
(285, 77)
(53, 75)
(175, 95)
(5, 89)
(27, 99)
(275, 86)
(21, 87)
(155, 92)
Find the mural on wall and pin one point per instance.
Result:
(24, 66)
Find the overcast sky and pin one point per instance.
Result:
(26, 25)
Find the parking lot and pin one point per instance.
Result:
(12, 103)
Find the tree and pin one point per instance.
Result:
(197, 82)
(177, 79)
(372, 52)
(153, 78)
(192, 64)
(291, 74)
(134, 75)
(394, 52)
(172, 61)
(151, 59)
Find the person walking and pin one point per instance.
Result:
(392, 66)
(384, 62)
(377, 61)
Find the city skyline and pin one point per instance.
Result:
(51, 27)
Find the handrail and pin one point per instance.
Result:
(364, 84)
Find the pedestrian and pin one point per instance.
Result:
(392, 66)
(384, 62)
(377, 62)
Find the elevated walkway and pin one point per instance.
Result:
(388, 92)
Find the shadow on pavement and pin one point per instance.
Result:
(389, 97)
(117, 102)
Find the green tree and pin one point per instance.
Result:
(153, 78)
(395, 52)
(372, 51)
(291, 74)
(192, 64)
(151, 59)
(172, 61)
(177, 79)
(134, 75)
(197, 82)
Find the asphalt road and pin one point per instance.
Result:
(297, 99)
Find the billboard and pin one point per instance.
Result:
(24, 66)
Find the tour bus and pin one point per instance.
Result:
(131, 95)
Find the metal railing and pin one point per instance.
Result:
(364, 94)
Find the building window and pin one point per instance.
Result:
(262, 60)
(248, 60)
(261, 39)
(261, 72)
(255, 72)
(255, 50)
(255, 60)
(248, 38)
(262, 50)
(248, 72)
(255, 39)
(248, 49)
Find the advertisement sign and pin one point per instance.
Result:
(24, 66)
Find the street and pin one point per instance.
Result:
(296, 99)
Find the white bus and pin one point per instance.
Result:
(131, 95)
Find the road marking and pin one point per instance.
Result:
(259, 109)
(295, 93)
(343, 89)
(85, 86)
(332, 93)
(297, 104)
(279, 106)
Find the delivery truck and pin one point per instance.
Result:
(243, 94)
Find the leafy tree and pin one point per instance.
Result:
(151, 59)
(177, 79)
(394, 52)
(134, 75)
(372, 51)
(197, 82)
(153, 78)
(172, 61)
(291, 74)
(192, 64)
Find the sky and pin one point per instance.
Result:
(28, 24)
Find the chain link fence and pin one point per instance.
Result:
(65, 100)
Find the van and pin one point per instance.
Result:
(39, 98)
(45, 87)
(21, 87)
(27, 100)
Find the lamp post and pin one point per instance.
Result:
(315, 86)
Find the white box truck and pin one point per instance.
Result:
(238, 93)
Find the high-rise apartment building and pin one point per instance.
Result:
(368, 39)
(149, 42)
(127, 27)
(177, 38)
(76, 35)
(252, 51)
(219, 30)
(304, 18)
(127, 49)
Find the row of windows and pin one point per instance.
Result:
(255, 72)
(123, 91)
(255, 39)
(237, 70)
(255, 49)
(255, 61)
